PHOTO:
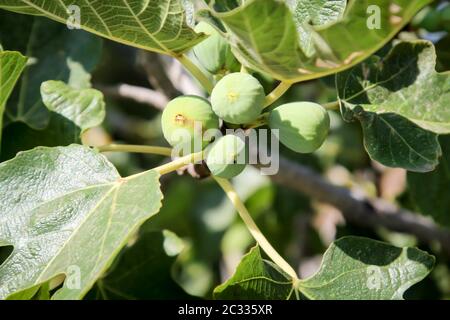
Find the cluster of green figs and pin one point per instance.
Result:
(238, 99)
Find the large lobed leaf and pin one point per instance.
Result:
(364, 269)
(273, 46)
(402, 103)
(352, 268)
(66, 209)
(155, 25)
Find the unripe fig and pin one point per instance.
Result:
(214, 53)
(303, 126)
(185, 120)
(238, 98)
(226, 157)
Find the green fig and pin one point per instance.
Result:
(238, 98)
(226, 157)
(185, 120)
(303, 126)
(214, 53)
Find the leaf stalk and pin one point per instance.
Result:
(180, 163)
(253, 228)
(163, 151)
(277, 93)
(196, 72)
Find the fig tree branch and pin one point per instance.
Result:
(360, 210)
(138, 94)
(156, 73)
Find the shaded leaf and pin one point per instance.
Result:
(404, 82)
(256, 279)
(55, 53)
(402, 104)
(430, 191)
(71, 112)
(339, 46)
(67, 211)
(352, 268)
(84, 107)
(11, 67)
(19, 137)
(143, 271)
(155, 25)
(397, 142)
(365, 269)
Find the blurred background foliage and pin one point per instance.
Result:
(197, 239)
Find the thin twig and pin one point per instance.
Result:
(156, 74)
(136, 93)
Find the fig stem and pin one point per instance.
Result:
(136, 149)
(253, 228)
(261, 121)
(277, 93)
(180, 163)
(196, 72)
(331, 105)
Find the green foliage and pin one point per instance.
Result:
(303, 126)
(84, 107)
(72, 111)
(140, 24)
(399, 99)
(363, 269)
(435, 186)
(256, 278)
(352, 268)
(71, 227)
(432, 19)
(309, 14)
(48, 212)
(11, 66)
(150, 260)
(273, 46)
(55, 53)
(238, 98)
(404, 82)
